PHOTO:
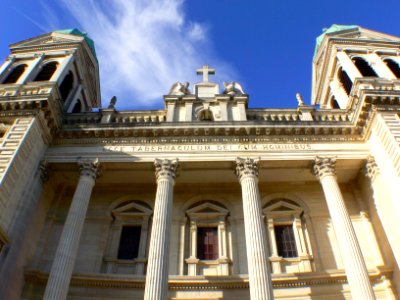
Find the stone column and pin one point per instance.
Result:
(354, 265)
(157, 268)
(256, 240)
(67, 250)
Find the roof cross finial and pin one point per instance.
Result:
(205, 71)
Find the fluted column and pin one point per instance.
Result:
(67, 250)
(354, 264)
(157, 268)
(256, 240)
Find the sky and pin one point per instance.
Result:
(144, 46)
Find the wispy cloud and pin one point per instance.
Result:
(144, 46)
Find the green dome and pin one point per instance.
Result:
(333, 28)
(75, 31)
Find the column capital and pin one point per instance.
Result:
(90, 167)
(246, 167)
(371, 168)
(324, 166)
(166, 168)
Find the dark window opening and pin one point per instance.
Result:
(334, 103)
(364, 68)
(393, 66)
(77, 107)
(46, 72)
(285, 241)
(129, 242)
(207, 243)
(15, 74)
(66, 86)
(345, 81)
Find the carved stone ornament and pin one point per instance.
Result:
(246, 167)
(324, 166)
(233, 88)
(179, 89)
(166, 168)
(90, 167)
(43, 171)
(371, 168)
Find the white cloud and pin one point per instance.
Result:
(144, 46)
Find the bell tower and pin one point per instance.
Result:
(347, 56)
(65, 59)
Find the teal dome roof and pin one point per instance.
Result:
(75, 31)
(333, 28)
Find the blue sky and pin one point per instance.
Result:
(144, 46)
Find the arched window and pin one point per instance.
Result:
(288, 236)
(66, 86)
(47, 71)
(77, 107)
(15, 74)
(345, 81)
(208, 253)
(364, 68)
(393, 66)
(128, 238)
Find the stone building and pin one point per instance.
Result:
(206, 198)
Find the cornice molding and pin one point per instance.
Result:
(209, 282)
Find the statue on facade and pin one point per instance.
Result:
(299, 98)
(233, 88)
(113, 101)
(179, 89)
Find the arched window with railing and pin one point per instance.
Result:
(345, 80)
(393, 66)
(66, 86)
(363, 66)
(47, 71)
(15, 74)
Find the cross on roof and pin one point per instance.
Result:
(205, 71)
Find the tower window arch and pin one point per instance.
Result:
(393, 66)
(363, 66)
(47, 71)
(66, 86)
(345, 80)
(15, 74)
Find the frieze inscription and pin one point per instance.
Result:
(209, 148)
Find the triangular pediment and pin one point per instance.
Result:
(207, 208)
(48, 39)
(366, 34)
(283, 206)
(131, 208)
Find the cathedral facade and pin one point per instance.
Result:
(206, 198)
